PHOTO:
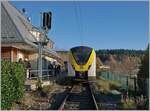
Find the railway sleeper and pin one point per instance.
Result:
(72, 105)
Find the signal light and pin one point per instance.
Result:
(47, 17)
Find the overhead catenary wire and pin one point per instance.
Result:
(81, 25)
(79, 21)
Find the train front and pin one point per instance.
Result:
(82, 63)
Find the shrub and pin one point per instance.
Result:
(6, 85)
(19, 72)
(12, 83)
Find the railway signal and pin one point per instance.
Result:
(47, 17)
(46, 25)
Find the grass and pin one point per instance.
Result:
(105, 86)
(114, 85)
(127, 104)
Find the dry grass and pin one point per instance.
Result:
(105, 86)
(128, 104)
(47, 88)
(30, 99)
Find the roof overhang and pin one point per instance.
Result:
(51, 53)
(21, 46)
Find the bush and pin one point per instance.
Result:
(12, 83)
(19, 72)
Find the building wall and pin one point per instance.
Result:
(13, 54)
(33, 60)
(6, 53)
(50, 44)
(20, 55)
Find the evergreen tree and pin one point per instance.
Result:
(143, 74)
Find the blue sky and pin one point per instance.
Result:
(101, 25)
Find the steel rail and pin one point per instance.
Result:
(93, 97)
(64, 101)
(69, 93)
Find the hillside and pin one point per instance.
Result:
(121, 61)
(122, 64)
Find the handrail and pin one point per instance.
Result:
(35, 70)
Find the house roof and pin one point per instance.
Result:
(16, 28)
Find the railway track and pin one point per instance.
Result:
(80, 97)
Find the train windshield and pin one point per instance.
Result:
(81, 54)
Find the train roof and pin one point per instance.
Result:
(81, 47)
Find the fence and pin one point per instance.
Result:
(46, 74)
(125, 80)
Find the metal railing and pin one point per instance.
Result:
(46, 74)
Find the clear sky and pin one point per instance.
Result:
(101, 25)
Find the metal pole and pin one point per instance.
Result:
(40, 61)
(40, 54)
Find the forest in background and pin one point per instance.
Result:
(128, 52)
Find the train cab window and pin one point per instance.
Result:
(81, 54)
